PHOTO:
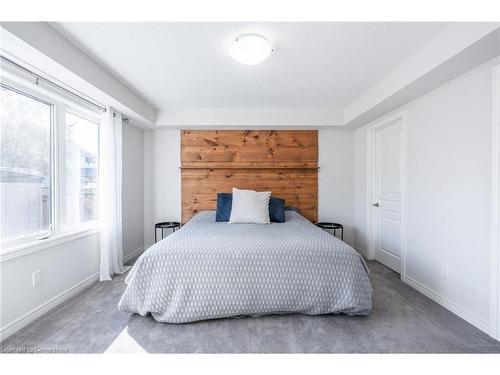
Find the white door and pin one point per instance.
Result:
(386, 203)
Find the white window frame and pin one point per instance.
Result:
(58, 233)
(34, 237)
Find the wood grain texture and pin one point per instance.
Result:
(282, 161)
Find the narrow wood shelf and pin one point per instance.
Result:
(256, 168)
(211, 165)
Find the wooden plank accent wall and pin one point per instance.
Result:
(282, 161)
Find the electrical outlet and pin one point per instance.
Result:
(37, 278)
(444, 270)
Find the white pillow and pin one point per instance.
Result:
(250, 207)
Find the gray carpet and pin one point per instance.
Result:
(402, 321)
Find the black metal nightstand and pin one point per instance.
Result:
(166, 225)
(332, 226)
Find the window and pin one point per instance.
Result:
(49, 159)
(81, 146)
(26, 194)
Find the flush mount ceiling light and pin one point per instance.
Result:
(250, 49)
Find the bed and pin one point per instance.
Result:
(210, 270)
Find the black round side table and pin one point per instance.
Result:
(166, 225)
(332, 226)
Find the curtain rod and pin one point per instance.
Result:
(59, 87)
(53, 84)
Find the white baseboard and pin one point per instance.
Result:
(446, 303)
(29, 317)
(134, 254)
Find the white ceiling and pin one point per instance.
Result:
(186, 65)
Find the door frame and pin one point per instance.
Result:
(398, 117)
(495, 207)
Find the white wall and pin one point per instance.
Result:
(448, 193)
(63, 267)
(148, 188)
(162, 184)
(133, 190)
(335, 183)
(250, 118)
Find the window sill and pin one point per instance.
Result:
(32, 247)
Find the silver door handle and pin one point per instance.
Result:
(376, 205)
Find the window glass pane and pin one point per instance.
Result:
(25, 165)
(82, 139)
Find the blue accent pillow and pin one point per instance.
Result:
(277, 210)
(225, 201)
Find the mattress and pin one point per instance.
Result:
(209, 270)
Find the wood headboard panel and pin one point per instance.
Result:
(282, 161)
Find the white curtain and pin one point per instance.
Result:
(110, 194)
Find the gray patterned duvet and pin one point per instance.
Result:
(211, 270)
